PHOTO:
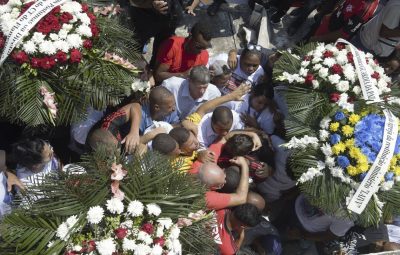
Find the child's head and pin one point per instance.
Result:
(239, 145)
(221, 120)
(261, 94)
(250, 59)
(166, 145)
(186, 140)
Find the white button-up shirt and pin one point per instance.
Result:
(206, 134)
(185, 104)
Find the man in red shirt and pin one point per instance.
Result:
(178, 55)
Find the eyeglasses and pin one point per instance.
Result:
(254, 47)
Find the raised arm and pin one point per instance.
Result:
(134, 117)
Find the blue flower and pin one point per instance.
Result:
(339, 116)
(397, 146)
(362, 176)
(335, 138)
(389, 176)
(343, 161)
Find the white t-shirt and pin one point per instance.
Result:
(272, 187)
(314, 221)
(265, 118)
(206, 134)
(185, 104)
(5, 208)
(369, 34)
(80, 130)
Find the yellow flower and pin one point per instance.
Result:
(349, 143)
(351, 170)
(354, 118)
(354, 152)
(334, 126)
(364, 113)
(338, 148)
(397, 170)
(393, 162)
(347, 130)
(362, 167)
(362, 159)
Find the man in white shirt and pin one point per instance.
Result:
(381, 34)
(217, 124)
(191, 93)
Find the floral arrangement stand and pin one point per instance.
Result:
(112, 207)
(70, 58)
(343, 130)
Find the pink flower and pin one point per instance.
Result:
(309, 78)
(118, 173)
(119, 194)
(375, 75)
(335, 97)
(328, 54)
(148, 228)
(159, 240)
(197, 216)
(120, 233)
(49, 101)
(184, 222)
(336, 69)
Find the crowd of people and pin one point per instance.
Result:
(221, 120)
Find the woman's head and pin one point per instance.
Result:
(250, 60)
(261, 95)
(33, 153)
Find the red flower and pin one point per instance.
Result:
(335, 97)
(309, 78)
(159, 240)
(340, 46)
(328, 54)
(120, 233)
(307, 58)
(75, 56)
(61, 57)
(92, 17)
(66, 17)
(25, 7)
(148, 228)
(56, 10)
(35, 62)
(20, 57)
(375, 75)
(350, 57)
(87, 44)
(94, 29)
(336, 69)
(47, 63)
(42, 27)
(2, 41)
(85, 7)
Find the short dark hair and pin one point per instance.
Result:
(180, 134)
(247, 214)
(202, 28)
(239, 145)
(222, 115)
(264, 89)
(159, 94)
(232, 180)
(164, 144)
(266, 154)
(28, 152)
(246, 52)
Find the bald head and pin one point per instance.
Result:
(159, 95)
(101, 137)
(256, 199)
(222, 115)
(211, 175)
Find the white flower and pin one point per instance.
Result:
(175, 231)
(311, 173)
(317, 67)
(139, 85)
(342, 58)
(71, 221)
(47, 47)
(323, 72)
(77, 248)
(165, 223)
(127, 224)
(302, 142)
(343, 86)
(320, 47)
(95, 215)
(326, 149)
(323, 135)
(303, 72)
(115, 206)
(146, 238)
(349, 72)
(53, 36)
(330, 161)
(84, 18)
(383, 86)
(135, 208)
(72, 7)
(62, 34)
(62, 231)
(316, 60)
(7, 23)
(14, 3)
(142, 249)
(15, 13)
(73, 20)
(324, 124)
(305, 63)
(67, 27)
(329, 62)
(157, 250)
(387, 185)
(4, 9)
(177, 247)
(38, 37)
(29, 47)
(357, 90)
(160, 231)
(344, 104)
(84, 30)
(62, 45)
(50, 244)
(129, 245)
(334, 79)
(153, 209)
(106, 247)
(315, 84)
(74, 40)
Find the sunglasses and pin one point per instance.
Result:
(254, 47)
